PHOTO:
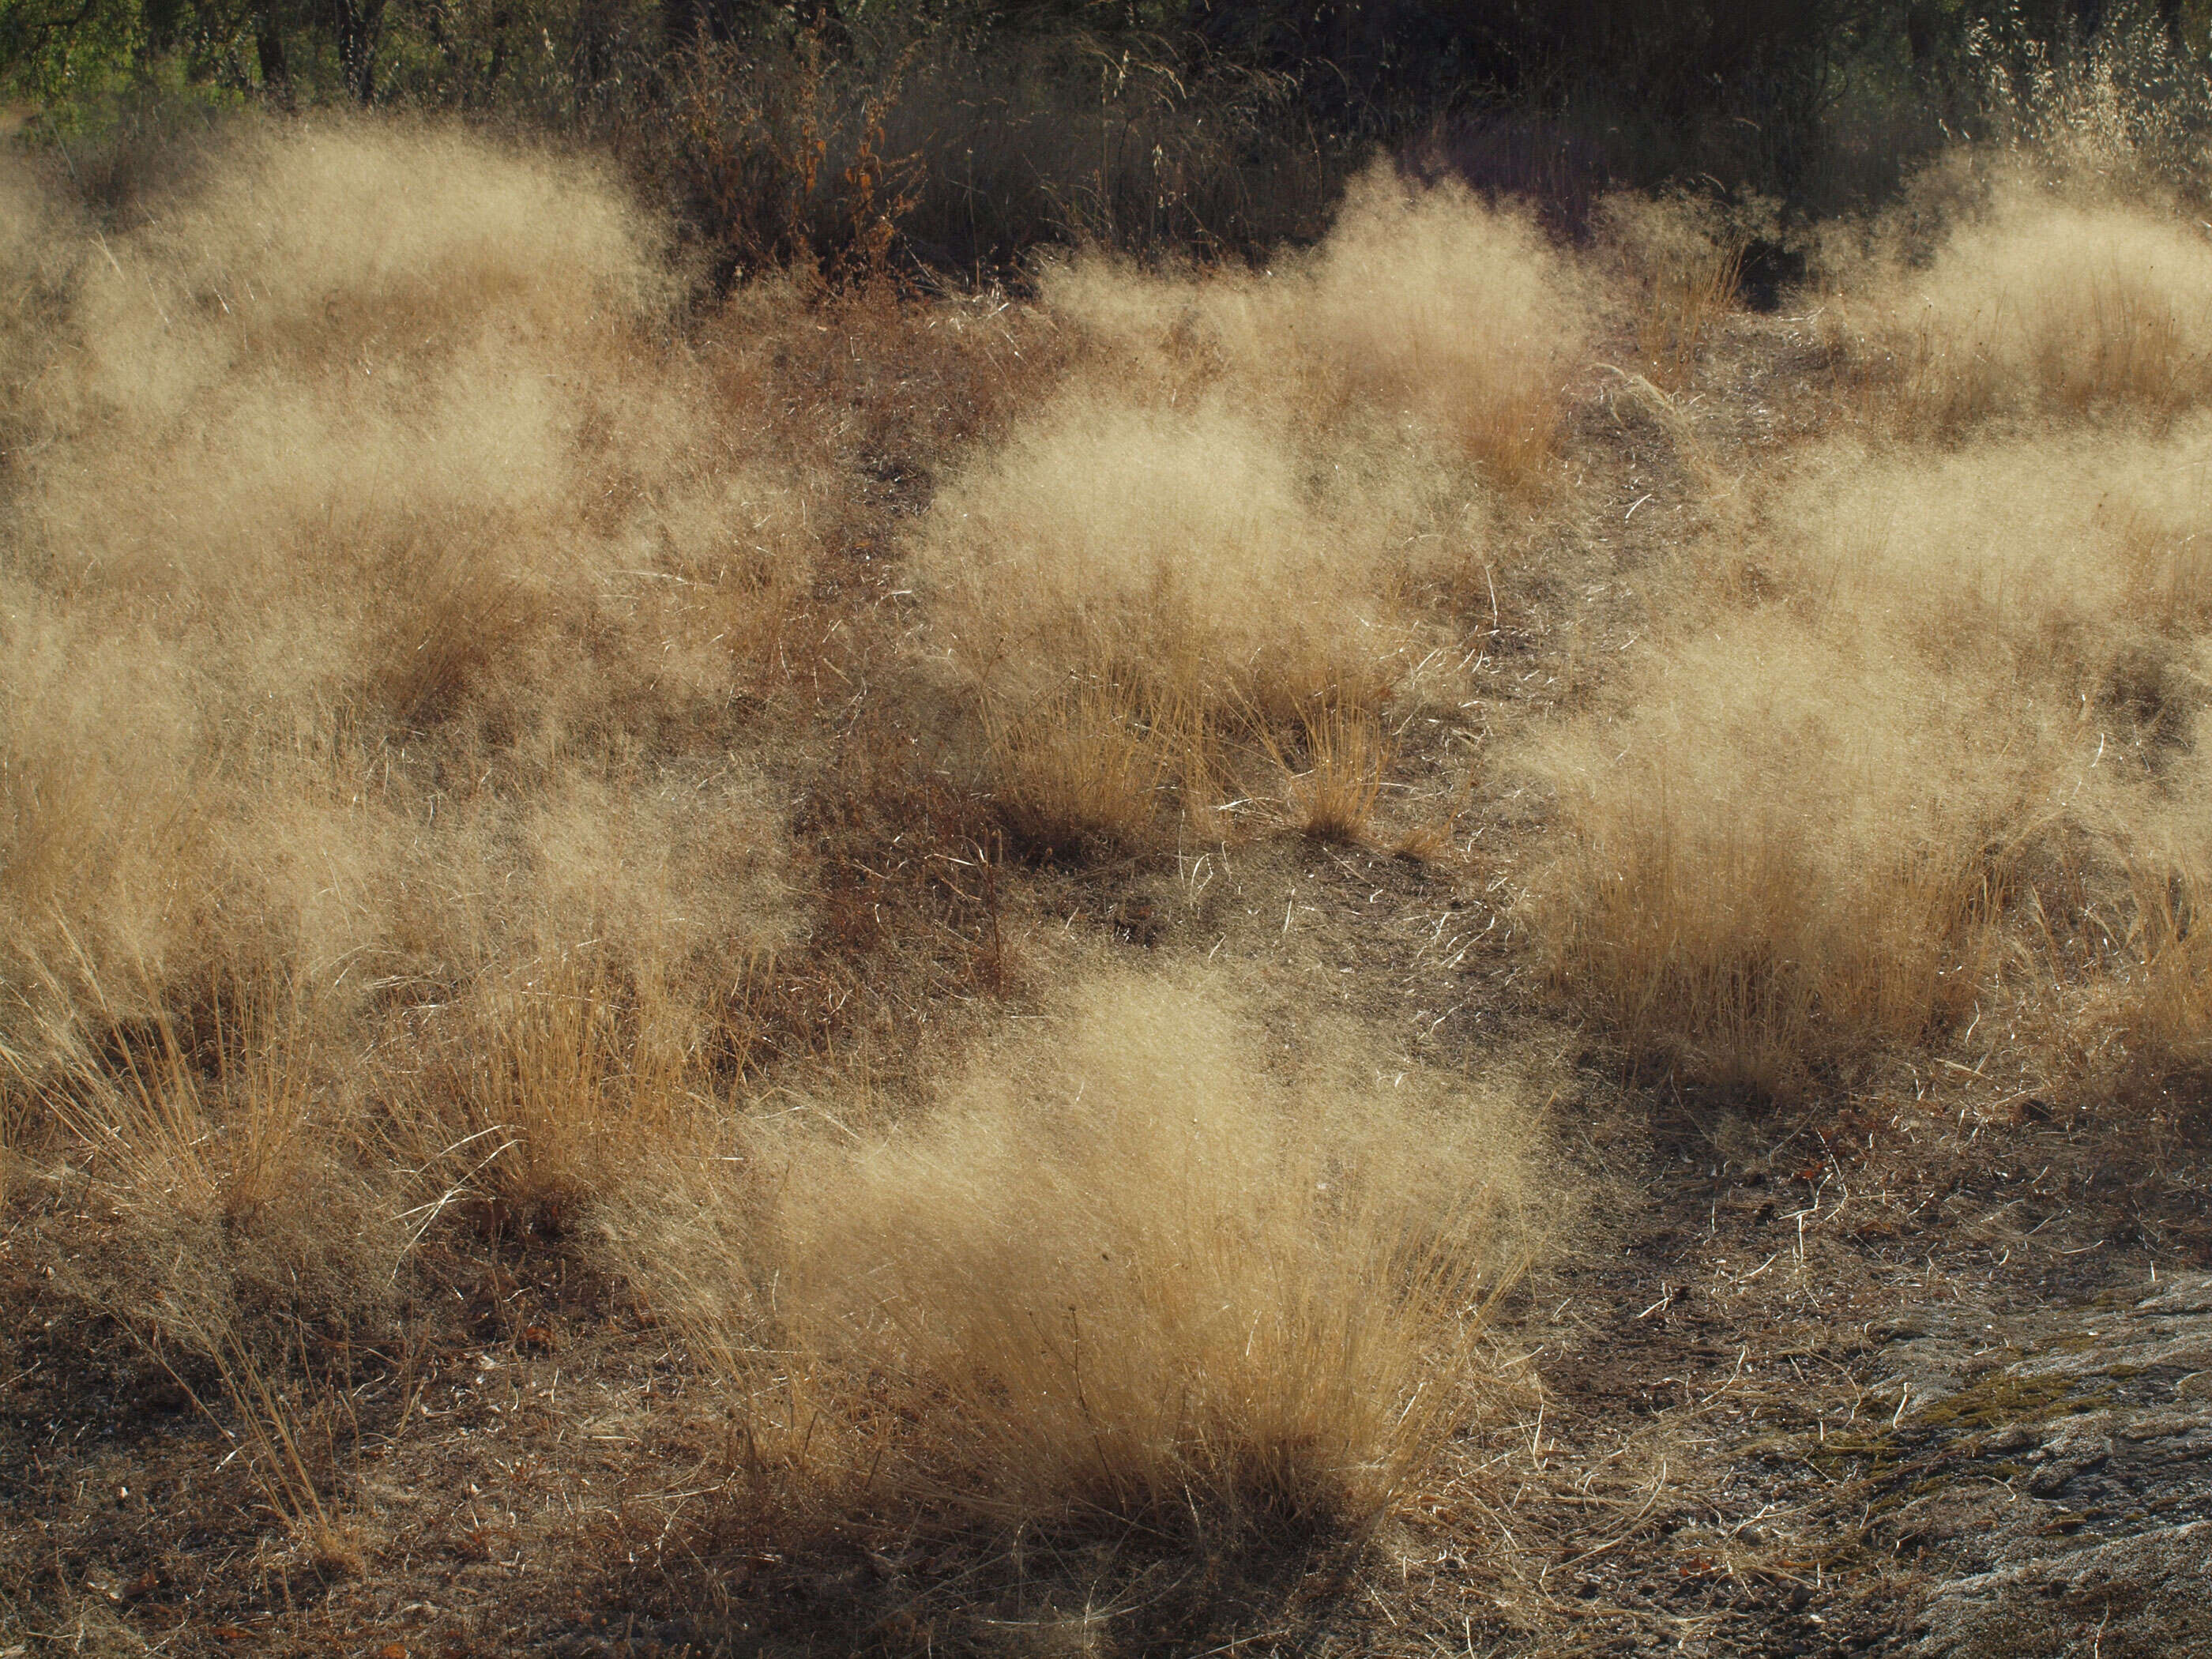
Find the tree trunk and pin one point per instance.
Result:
(359, 24)
(269, 51)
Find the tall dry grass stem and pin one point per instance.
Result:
(1333, 778)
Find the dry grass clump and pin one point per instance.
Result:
(1790, 853)
(2075, 561)
(2157, 1001)
(1093, 771)
(381, 578)
(1421, 304)
(99, 801)
(231, 1195)
(458, 733)
(1125, 585)
(2041, 304)
(1123, 1274)
(1333, 777)
(1167, 541)
(35, 261)
(1225, 527)
(1932, 762)
(2148, 1017)
(389, 609)
(374, 241)
(550, 1088)
(1423, 301)
(225, 1210)
(1190, 550)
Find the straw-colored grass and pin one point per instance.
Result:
(380, 581)
(551, 1086)
(1103, 769)
(1236, 511)
(2037, 305)
(464, 729)
(1681, 261)
(1334, 778)
(1918, 777)
(1123, 1274)
(1787, 856)
(1127, 586)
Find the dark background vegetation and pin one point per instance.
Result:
(952, 136)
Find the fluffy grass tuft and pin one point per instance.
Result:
(1094, 772)
(1917, 776)
(1120, 1276)
(1238, 510)
(2036, 305)
(1745, 911)
(380, 581)
(1681, 261)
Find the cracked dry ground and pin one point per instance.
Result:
(1923, 1370)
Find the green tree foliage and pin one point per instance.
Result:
(1364, 60)
(965, 131)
